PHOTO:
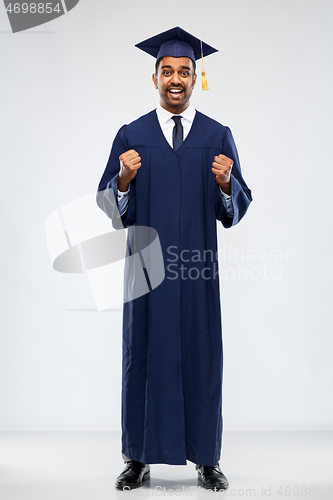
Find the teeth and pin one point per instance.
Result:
(175, 91)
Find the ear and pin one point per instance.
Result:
(194, 79)
(154, 78)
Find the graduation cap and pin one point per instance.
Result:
(177, 42)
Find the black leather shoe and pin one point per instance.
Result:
(212, 477)
(133, 475)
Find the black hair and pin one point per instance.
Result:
(160, 59)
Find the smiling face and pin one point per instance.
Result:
(175, 81)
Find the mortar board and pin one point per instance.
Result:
(177, 42)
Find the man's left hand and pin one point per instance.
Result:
(222, 166)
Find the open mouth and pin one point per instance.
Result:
(176, 92)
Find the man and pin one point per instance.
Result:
(177, 171)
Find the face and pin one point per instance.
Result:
(175, 81)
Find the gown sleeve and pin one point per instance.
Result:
(107, 192)
(240, 194)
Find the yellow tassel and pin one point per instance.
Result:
(204, 81)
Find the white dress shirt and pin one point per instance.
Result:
(166, 123)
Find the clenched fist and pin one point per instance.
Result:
(129, 164)
(222, 166)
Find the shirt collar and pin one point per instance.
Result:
(164, 115)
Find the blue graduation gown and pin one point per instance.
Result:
(172, 336)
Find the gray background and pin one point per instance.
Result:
(66, 88)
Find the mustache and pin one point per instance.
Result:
(176, 87)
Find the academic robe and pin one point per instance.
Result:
(172, 336)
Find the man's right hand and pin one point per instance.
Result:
(129, 164)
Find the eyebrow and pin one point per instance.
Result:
(181, 67)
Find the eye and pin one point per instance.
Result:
(185, 73)
(165, 72)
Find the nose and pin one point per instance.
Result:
(175, 78)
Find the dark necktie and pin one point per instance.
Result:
(177, 133)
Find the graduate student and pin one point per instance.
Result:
(177, 171)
